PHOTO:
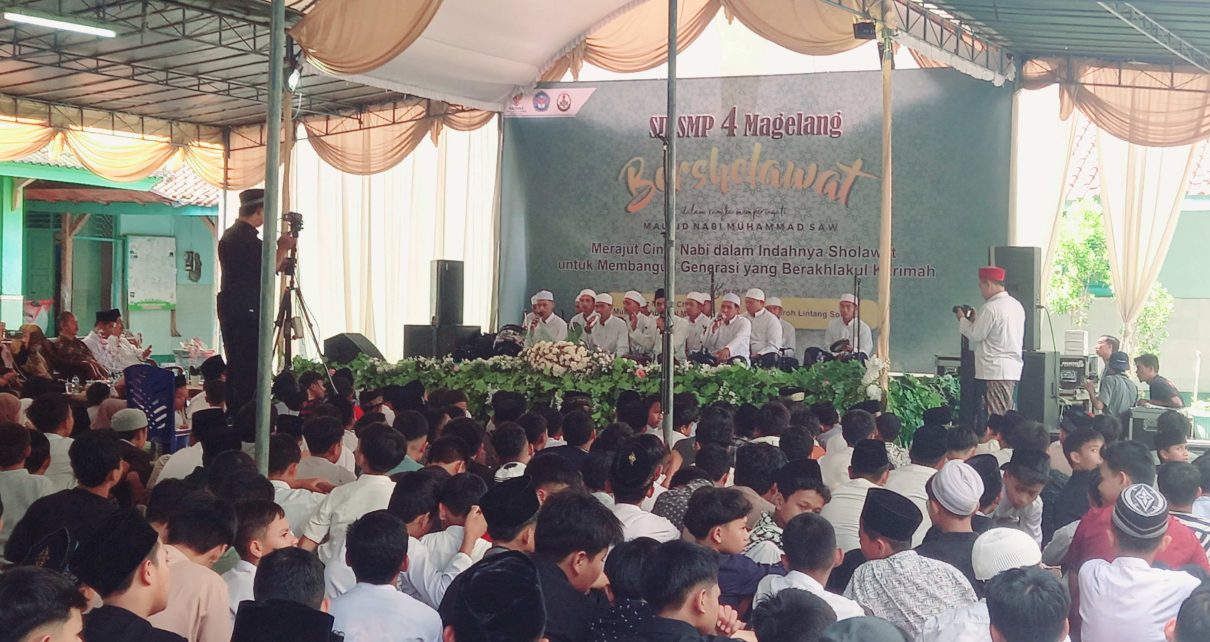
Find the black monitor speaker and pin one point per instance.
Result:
(346, 347)
(1038, 390)
(446, 293)
(436, 340)
(1023, 270)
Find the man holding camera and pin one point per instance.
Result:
(239, 255)
(997, 334)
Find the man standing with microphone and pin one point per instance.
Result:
(997, 334)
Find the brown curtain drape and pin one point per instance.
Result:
(807, 26)
(355, 36)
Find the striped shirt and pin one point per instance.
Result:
(1199, 525)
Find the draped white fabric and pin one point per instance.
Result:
(1042, 150)
(366, 249)
(1142, 189)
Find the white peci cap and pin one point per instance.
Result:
(1001, 549)
(848, 298)
(544, 295)
(633, 295)
(587, 293)
(731, 297)
(773, 301)
(755, 293)
(700, 297)
(533, 300)
(605, 298)
(958, 488)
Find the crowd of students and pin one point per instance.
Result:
(394, 515)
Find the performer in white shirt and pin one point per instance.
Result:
(766, 329)
(680, 328)
(586, 301)
(698, 319)
(545, 325)
(643, 333)
(789, 342)
(846, 327)
(731, 334)
(606, 332)
(997, 335)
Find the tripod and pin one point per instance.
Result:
(289, 326)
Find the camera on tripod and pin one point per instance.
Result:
(293, 222)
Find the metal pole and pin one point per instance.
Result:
(885, 244)
(268, 268)
(670, 174)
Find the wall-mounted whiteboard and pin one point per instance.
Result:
(151, 272)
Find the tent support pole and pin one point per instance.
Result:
(885, 241)
(268, 268)
(670, 184)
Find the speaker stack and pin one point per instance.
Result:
(446, 332)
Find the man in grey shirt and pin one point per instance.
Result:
(1117, 393)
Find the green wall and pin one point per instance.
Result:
(12, 261)
(1185, 267)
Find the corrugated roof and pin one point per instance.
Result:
(180, 187)
(1082, 179)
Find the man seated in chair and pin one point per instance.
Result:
(69, 355)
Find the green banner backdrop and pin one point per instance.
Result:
(780, 182)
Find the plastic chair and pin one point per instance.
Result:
(153, 390)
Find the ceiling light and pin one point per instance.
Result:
(52, 21)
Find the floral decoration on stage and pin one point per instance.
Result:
(558, 358)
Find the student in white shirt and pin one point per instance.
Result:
(730, 335)
(1128, 599)
(789, 341)
(373, 610)
(632, 480)
(325, 445)
(641, 326)
(869, 469)
(810, 556)
(297, 503)
(586, 302)
(766, 328)
(698, 321)
(834, 465)
(845, 327)
(997, 334)
(51, 415)
(262, 529)
(928, 455)
(18, 488)
(1028, 604)
(450, 551)
(380, 450)
(606, 332)
(544, 324)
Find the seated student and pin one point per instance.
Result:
(537, 430)
(717, 520)
(51, 415)
(450, 551)
(869, 469)
(572, 537)
(799, 489)
(373, 610)
(40, 605)
(961, 443)
(1082, 449)
(811, 554)
(199, 532)
(1172, 437)
(379, 450)
(473, 436)
(297, 503)
(18, 488)
(771, 421)
(183, 462)
(262, 529)
(1180, 484)
(989, 471)
(290, 602)
(511, 510)
(96, 461)
(1130, 599)
(38, 460)
(127, 566)
(448, 454)
(1160, 392)
(469, 612)
(996, 551)
(1192, 623)
(579, 431)
(1020, 506)
(415, 429)
(1027, 605)
(624, 570)
(513, 451)
(325, 445)
(898, 584)
(711, 467)
(953, 495)
(755, 467)
(792, 615)
(632, 481)
(993, 439)
(681, 585)
(414, 500)
(857, 425)
(927, 455)
(551, 474)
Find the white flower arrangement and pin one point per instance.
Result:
(558, 358)
(872, 377)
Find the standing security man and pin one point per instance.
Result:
(239, 255)
(997, 333)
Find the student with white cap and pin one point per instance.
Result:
(586, 301)
(766, 329)
(994, 552)
(544, 324)
(606, 332)
(953, 499)
(846, 328)
(730, 335)
(788, 340)
(699, 321)
(641, 327)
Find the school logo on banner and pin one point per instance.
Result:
(567, 103)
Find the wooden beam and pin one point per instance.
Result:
(67, 223)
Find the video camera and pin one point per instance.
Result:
(293, 222)
(965, 310)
